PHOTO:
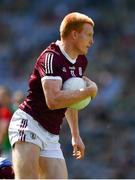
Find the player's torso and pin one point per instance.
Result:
(35, 103)
(68, 70)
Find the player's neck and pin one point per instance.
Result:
(69, 49)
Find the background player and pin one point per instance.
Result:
(6, 112)
(34, 128)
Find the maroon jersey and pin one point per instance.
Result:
(51, 64)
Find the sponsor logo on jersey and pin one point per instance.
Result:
(72, 73)
(33, 135)
(72, 67)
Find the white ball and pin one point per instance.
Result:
(76, 83)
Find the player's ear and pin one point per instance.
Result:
(74, 34)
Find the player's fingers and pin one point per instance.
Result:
(74, 149)
(78, 151)
(81, 152)
(78, 155)
(84, 77)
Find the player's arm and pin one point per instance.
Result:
(3, 129)
(57, 98)
(4, 123)
(77, 143)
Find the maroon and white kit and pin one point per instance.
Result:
(34, 122)
(53, 63)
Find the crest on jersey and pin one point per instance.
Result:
(33, 135)
(72, 70)
(72, 73)
(80, 71)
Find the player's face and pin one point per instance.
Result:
(85, 39)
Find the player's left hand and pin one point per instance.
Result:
(78, 147)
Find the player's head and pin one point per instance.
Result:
(79, 28)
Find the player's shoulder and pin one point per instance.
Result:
(51, 55)
(51, 50)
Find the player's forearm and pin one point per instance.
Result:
(65, 98)
(72, 119)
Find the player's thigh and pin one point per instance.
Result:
(53, 168)
(25, 158)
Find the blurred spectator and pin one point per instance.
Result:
(18, 97)
(6, 170)
(5, 116)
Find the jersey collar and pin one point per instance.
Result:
(58, 43)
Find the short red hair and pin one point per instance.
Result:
(73, 21)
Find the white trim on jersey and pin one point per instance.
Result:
(48, 63)
(51, 77)
(73, 61)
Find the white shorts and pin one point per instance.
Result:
(24, 128)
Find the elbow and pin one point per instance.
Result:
(51, 105)
(53, 102)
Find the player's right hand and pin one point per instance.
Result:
(91, 85)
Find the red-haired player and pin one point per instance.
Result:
(34, 128)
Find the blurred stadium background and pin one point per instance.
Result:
(108, 124)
